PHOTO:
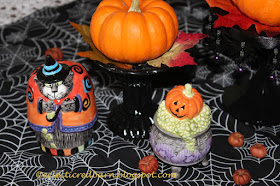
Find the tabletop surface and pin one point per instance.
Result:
(13, 10)
(22, 48)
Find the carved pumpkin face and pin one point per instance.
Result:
(178, 108)
(184, 102)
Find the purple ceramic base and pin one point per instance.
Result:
(173, 150)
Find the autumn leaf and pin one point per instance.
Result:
(95, 54)
(176, 55)
(235, 17)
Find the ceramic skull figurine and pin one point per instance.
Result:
(61, 106)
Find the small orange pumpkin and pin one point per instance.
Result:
(241, 177)
(236, 139)
(133, 31)
(148, 164)
(258, 150)
(56, 53)
(184, 102)
(263, 11)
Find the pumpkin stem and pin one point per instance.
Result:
(135, 6)
(188, 90)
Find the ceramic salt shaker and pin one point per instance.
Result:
(61, 107)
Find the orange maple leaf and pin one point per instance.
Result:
(95, 54)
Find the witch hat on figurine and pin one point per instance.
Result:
(52, 71)
(61, 107)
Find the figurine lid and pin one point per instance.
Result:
(52, 71)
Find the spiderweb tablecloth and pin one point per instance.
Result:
(22, 47)
(13, 10)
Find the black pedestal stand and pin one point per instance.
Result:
(134, 117)
(255, 101)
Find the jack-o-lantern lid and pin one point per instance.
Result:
(184, 102)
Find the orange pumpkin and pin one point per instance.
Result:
(236, 139)
(133, 31)
(56, 53)
(241, 177)
(263, 11)
(184, 102)
(148, 164)
(258, 150)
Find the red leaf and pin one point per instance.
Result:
(189, 39)
(223, 4)
(181, 60)
(176, 55)
(235, 17)
(230, 20)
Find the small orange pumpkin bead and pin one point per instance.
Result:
(56, 53)
(184, 102)
(241, 177)
(258, 150)
(148, 164)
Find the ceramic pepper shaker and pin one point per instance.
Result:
(61, 106)
(181, 135)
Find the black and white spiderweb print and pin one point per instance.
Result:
(22, 47)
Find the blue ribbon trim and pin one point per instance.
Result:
(51, 67)
(52, 72)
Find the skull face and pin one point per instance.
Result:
(178, 109)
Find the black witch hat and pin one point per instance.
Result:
(52, 71)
